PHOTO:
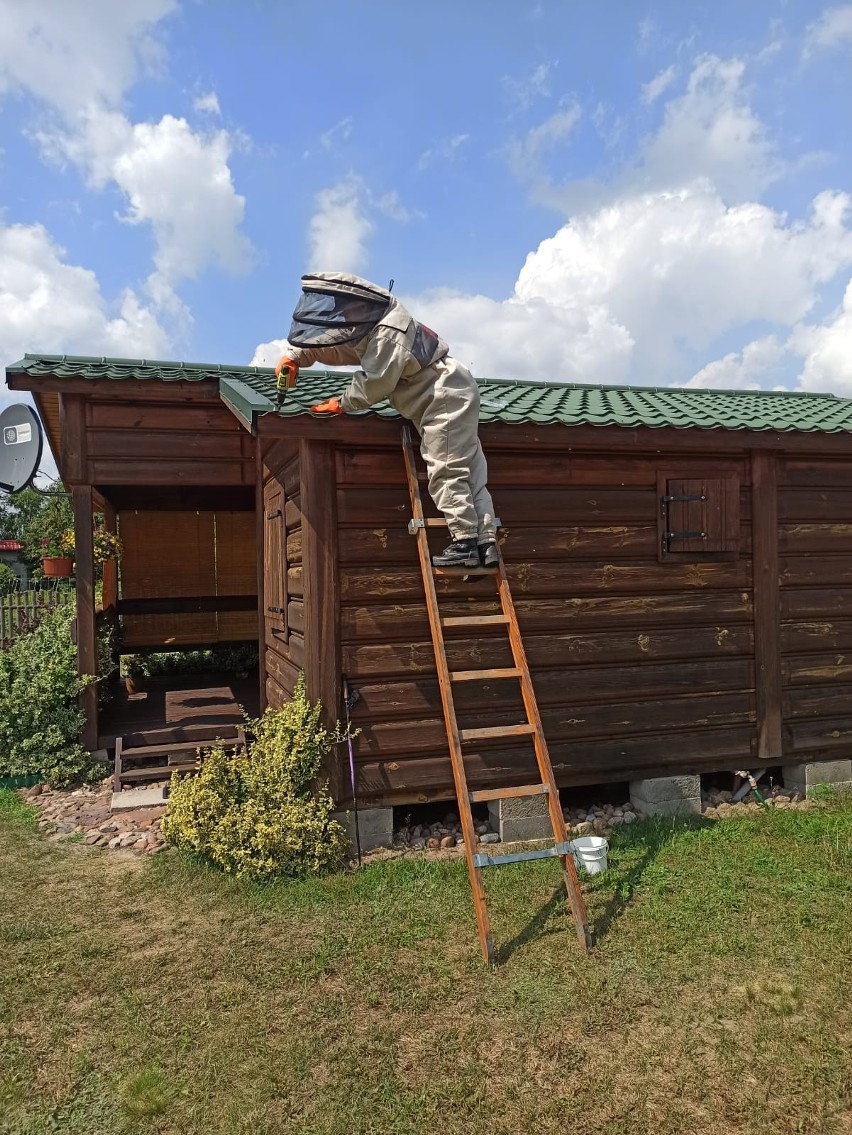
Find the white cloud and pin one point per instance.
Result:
(653, 270)
(755, 366)
(832, 29)
(708, 131)
(526, 154)
(633, 291)
(445, 151)
(78, 56)
(73, 52)
(391, 206)
(268, 354)
(339, 228)
(827, 351)
(208, 104)
(651, 91)
(48, 305)
(523, 92)
(711, 131)
(338, 133)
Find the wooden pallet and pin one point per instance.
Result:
(532, 727)
(138, 763)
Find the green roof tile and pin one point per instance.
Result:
(252, 390)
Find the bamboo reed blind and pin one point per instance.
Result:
(186, 555)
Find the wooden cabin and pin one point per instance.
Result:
(681, 562)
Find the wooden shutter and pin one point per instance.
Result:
(699, 516)
(274, 559)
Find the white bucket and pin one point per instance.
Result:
(590, 852)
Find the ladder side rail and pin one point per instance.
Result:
(545, 766)
(445, 687)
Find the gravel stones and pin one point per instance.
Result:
(85, 813)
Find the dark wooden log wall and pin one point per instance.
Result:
(282, 605)
(815, 570)
(639, 666)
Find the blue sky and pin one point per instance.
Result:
(574, 191)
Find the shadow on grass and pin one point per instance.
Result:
(534, 929)
(633, 851)
(645, 841)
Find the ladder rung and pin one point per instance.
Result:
(555, 852)
(462, 571)
(475, 620)
(495, 731)
(508, 793)
(482, 675)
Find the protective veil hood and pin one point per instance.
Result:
(337, 308)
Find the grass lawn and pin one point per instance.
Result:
(159, 996)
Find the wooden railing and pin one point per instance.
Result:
(22, 611)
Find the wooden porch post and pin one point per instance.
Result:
(87, 652)
(767, 605)
(321, 599)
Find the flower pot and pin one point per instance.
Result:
(57, 567)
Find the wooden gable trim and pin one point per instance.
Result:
(119, 390)
(380, 432)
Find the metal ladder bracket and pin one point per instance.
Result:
(558, 851)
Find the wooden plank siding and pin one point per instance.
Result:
(815, 553)
(639, 666)
(283, 644)
(166, 443)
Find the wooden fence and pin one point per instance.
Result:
(22, 611)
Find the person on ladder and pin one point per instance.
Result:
(342, 320)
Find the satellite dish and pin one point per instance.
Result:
(21, 443)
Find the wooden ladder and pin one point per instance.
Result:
(457, 737)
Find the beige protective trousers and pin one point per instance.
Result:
(446, 415)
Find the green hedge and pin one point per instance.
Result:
(40, 716)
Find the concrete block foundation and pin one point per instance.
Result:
(374, 824)
(805, 777)
(667, 795)
(520, 817)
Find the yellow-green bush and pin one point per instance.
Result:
(263, 813)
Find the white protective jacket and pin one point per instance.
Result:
(343, 320)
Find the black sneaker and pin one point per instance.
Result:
(461, 553)
(488, 555)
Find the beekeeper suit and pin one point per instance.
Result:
(342, 320)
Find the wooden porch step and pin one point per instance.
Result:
(167, 747)
(175, 753)
(162, 772)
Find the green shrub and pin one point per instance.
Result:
(8, 580)
(40, 716)
(263, 813)
(231, 658)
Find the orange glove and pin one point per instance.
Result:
(330, 406)
(292, 368)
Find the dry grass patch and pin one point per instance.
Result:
(172, 999)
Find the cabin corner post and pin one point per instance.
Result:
(261, 560)
(318, 492)
(82, 499)
(767, 605)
